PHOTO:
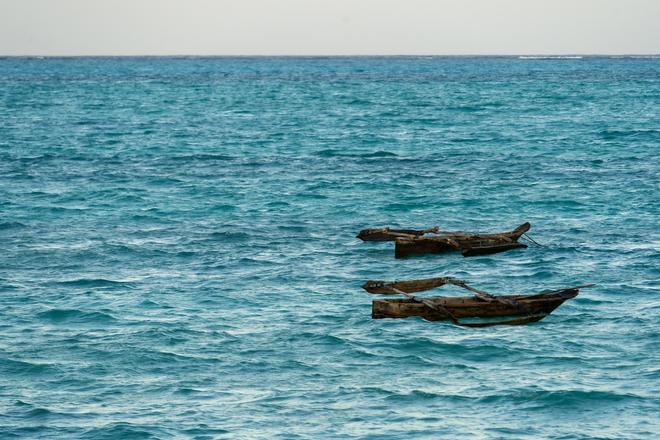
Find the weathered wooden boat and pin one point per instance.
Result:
(469, 244)
(523, 308)
(419, 241)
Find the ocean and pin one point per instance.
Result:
(178, 255)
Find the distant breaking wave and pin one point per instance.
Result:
(579, 57)
(550, 57)
(636, 57)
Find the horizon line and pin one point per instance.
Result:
(375, 55)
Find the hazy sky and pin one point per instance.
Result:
(328, 27)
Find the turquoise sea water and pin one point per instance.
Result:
(177, 251)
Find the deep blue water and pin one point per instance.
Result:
(177, 251)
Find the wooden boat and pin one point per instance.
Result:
(524, 308)
(469, 244)
(418, 241)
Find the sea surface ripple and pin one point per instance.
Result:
(178, 255)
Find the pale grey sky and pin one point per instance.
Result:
(328, 27)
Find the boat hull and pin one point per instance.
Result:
(471, 307)
(492, 249)
(468, 244)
